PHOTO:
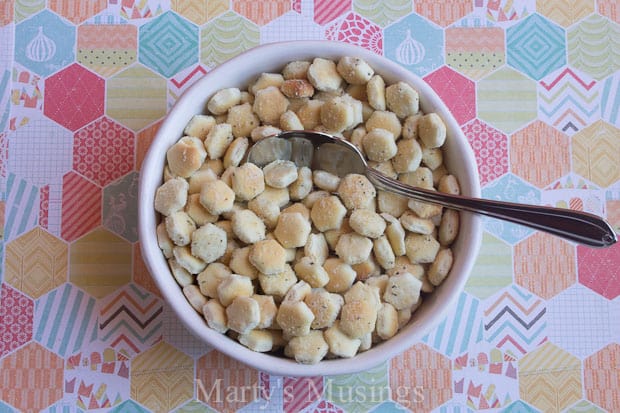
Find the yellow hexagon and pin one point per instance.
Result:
(162, 378)
(100, 262)
(550, 378)
(200, 11)
(595, 153)
(36, 262)
(565, 12)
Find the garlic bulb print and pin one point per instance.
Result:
(41, 48)
(410, 52)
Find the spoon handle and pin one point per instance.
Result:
(580, 227)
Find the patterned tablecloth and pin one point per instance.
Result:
(535, 86)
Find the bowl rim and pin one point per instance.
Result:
(169, 132)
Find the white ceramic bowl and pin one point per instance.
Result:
(239, 72)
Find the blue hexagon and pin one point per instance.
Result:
(40, 40)
(536, 47)
(168, 44)
(414, 43)
(513, 189)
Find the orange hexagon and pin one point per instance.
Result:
(539, 154)
(421, 378)
(6, 12)
(443, 13)
(36, 262)
(261, 12)
(550, 378)
(107, 49)
(609, 8)
(199, 11)
(143, 142)
(595, 153)
(567, 12)
(100, 262)
(141, 275)
(31, 377)
(162, 378)
(224, 383)
(544, 264)
(601, 377)
(77, 12)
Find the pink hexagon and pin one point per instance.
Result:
(301, 392)
(327, 10)
(490, 148)
(261, 12)
(457, 92)
(81, 206)
(103, 151)
(74, 97)
(599, 269)
(16, 315)
(357, 30)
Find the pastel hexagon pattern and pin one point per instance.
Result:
(357, 30)
(120, 207)
(199, 11)
(66, 320)
(16, 319)
(214, 367)
(565, 12)
(130, 320)
(539, 154)
(326, 11)
(182, 81)
(75, 12)
(594, 46)
(136, 97)
(544, 264)
(601, 378)
(100, 262)
(305, 28)
(261, 12)
(415, 43)
(24, 214)
(536, 46)
(372, 382)
(36, 262)
(74, 97)
(22, 387)
(595, 153)
(444, 13)
(39, 40)
(175, 333)
(513, 189)
(599, 269)
(550, 378)
(162, 377)
(490, 148)
(456, 91)
(506, 99)
(305, 391)
(476, 374)
(389, 12)
(108, 48)
(493, 268)
(424, 374)
(102, 151)
(515, 321)
(569, 100)
(141, 274)
(168, 44)
(81, 206)
(222, 38)
(144, 139)
(579, 321)
(475, 51)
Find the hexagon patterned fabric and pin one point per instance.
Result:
(535, 87)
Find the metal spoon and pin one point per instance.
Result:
(322, 151)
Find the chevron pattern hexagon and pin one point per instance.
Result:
(84, 88)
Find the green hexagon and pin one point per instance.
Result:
(594, 46)
(225, 37)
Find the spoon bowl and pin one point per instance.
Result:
(321, 151)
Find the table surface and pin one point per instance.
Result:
(535, 87)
